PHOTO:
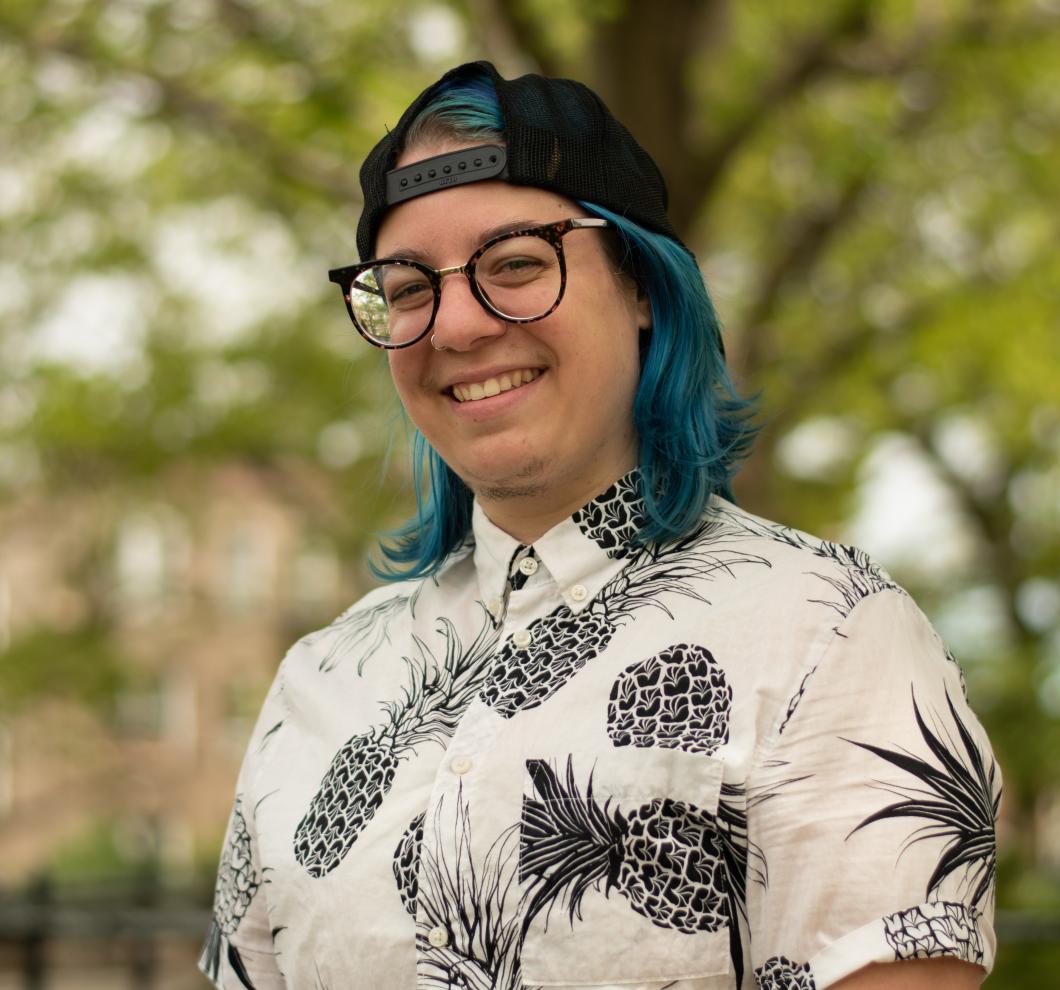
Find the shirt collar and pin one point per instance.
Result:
(581, 553)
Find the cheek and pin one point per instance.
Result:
(404, 373)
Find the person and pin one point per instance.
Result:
(599, 727)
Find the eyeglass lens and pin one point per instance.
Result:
(519, 277)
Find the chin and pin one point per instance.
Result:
(527, 477)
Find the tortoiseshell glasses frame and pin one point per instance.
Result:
(350, 278)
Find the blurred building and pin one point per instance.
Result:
(141, 631)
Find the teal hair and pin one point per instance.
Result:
(693, 427)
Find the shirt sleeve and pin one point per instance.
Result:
(238, 952)
(872, 809)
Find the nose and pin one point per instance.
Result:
(462, 322)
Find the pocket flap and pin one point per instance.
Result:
(632, 774)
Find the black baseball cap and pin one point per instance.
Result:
(558, 134)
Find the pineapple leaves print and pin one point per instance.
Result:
(663, 856)
(957, 794)
(362, 771)
(474, 898)
(855, 576)
(563, 641)
(237, 883)
(361, 630)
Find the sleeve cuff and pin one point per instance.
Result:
(926, 931)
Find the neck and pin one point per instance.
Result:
(528, 510)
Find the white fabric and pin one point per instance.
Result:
(743, 700)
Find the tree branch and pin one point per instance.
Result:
(642, 60)
(313, 170)
(508, 30)
(307, 167)
(994, 522)
(811, 58)
(809, 236)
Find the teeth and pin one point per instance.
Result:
(494, 386)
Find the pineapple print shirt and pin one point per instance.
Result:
(742, 759)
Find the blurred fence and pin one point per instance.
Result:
(144, 935)
(137, 934)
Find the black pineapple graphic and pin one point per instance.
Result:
(362, 771)
(613, 518)
(664, 856)
(677, 699)
(779, 973)
(680, 699)
(237, 883)
(406, 863)
(939, 928)
(563, 642)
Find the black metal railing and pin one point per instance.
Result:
(150, 932)
(139, 927)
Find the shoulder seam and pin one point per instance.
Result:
(797, 685)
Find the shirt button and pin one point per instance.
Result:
(460, 764)
(522, 639)
(494, 605)
(579, 592)
(438, 937)
(528, 566)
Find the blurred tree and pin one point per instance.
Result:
(871, 188)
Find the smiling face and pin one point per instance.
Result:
(536, 418)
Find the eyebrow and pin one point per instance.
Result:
(413, 254)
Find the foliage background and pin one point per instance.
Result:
(871, 189)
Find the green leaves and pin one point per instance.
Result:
(81, 665)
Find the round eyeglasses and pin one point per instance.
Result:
(519, 276)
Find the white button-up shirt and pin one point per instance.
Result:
(740, 759)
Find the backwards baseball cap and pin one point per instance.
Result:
(558, 135)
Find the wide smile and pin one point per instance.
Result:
(489, 387)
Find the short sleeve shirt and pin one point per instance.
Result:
(739, 759)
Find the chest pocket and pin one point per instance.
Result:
(624, 870)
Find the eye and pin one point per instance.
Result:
(404, 287)
(407, 292)
(517, 260)
(517, 265)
